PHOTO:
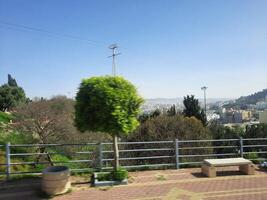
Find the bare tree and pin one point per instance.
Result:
(47, 121)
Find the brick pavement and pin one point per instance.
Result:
(180, 184)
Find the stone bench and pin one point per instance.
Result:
(209, 165)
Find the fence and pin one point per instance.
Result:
(133, 155)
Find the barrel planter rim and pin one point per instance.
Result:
(55, 169)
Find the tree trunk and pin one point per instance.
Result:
(116, 152)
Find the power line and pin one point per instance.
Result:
(113, 47)
(20, 26)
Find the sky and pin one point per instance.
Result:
(169, 48)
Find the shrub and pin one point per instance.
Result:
(14, 168)
(5, 117)
(253, 157)
(120, 174)
(104, 177)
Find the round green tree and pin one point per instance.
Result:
(107, 104)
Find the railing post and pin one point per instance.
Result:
(176, 145)
(241, 146)
(8, 166)
(100, 156)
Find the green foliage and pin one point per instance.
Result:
(107, 104)
(15, 137)
(172, 111)
(161, 177)
(192, 109)
(166, 127)
(14, 168)
(146, 116)
(253, 157)
(104, 177)
(11, 96)
(256, 131)
(223, 132)
(117, 175)
(120, 174)
(12, 81)
(63, 158)
(5, 117)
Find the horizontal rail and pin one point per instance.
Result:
(47, 153)
(254, 139)
(138, 150)
(257, 145)
(190, 163)
(149, 165)
(258, 152)
(208, 147)
(138, 158)
(40, 172)
(146, 158)
(143, 142)
(36, 145)
(148, 142)
(31, 154)
(207, 155)
(218, 140)
(56, 162)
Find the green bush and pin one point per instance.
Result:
(120, 174)
(5, 117)
(253, 157)
(14, 168)
(104, 177)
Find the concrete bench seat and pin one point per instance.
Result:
(209, 165)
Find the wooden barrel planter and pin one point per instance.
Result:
(55, 180)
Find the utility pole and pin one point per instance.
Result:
(204, 88)
(113, 47)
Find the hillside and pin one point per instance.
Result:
(253, 98)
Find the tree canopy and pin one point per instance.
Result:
(107, 104)
(11, 96)
(192, 108)
(11, 81)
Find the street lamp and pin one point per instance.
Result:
(204, 88)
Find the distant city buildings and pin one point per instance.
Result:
(217, 111)
(263, 117)
(235, 116)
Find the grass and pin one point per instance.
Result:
(5, 117)
(161, 178)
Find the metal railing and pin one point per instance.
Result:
(133, 155)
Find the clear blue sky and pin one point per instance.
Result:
(170, 48)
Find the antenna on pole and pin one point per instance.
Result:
(204, 88)
(113, 47)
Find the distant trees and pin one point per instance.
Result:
(166, 127)
(11, 95)
(146, 116)
(11, 81)
(107, 104)
(192, 108)
(172, 111)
